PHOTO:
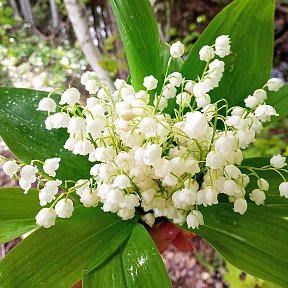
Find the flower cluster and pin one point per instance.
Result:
(143, 159)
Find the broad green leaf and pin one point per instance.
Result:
(17, 212)
(136, 264)
(255, 242)
(23, 130)
(279, 100)
(233, 278)
(250, 25)
(139, 32)
(62, 255)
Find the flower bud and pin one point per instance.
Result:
(150, 82)
(206, 53)
(177, 49)
(175, 79)
(148, 219)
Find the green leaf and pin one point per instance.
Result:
(139, 32)
(136, 264)
(23, 130)
(279, 100)
(17, 212)
(250, 25)
(62, 255)
(255, 242)
(233, 277)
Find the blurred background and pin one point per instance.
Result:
(42, 47)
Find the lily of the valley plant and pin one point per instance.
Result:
(169, 144)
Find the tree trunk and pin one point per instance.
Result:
(15, 9)
(162, 11)
(26, 10)
(54, 14)
(77, 15)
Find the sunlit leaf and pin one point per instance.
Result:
(17, 212)
(136, 264)
(139, 32)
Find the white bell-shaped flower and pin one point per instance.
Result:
(150, 82)
(222, 46)
(148, 126)
(25, 185)
(71, 97)
(126, 213)
(232, 171)
(214, 160)
(76, 124)
(89, 198)
(92, 86)
(258, 196)
(28, 173)
(122, 182)
(177, 49)
(175, 79)
(152, 154)
(194, 219)
(169, 91)
(283, 188)
(89, 75)
(51, 166)
(278, 161)
(64, 208)
(263, 184)
(274, 84)
(260, 94)
(47, 104)
(251, 101)
(264, 112)
(46, 217)
(148, 219)
(206, 53)
(240, 206)
(10, 167)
